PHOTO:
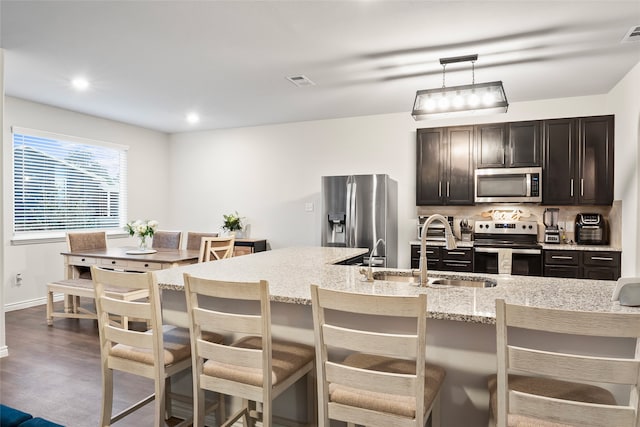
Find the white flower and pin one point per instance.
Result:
(142, 228)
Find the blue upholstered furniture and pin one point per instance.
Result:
(10, 417)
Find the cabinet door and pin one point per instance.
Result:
(490, 145)
(429, 167)
(558, 175)
(595, 160)
(459, 175)
(524, 144)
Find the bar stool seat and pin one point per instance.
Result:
(403, 406)
(287, 359)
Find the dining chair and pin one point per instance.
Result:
(195, 238)
(163, 239)
(254, 367)
(156, 354)
(537, 387)
(367, 375)
(82, 286)
(216, 248)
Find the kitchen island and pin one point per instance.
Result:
(461, 335)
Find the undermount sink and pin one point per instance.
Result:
(411, 277)
(475, 283)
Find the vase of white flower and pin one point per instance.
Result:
(142, 229)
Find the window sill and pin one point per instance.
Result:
(56, 238)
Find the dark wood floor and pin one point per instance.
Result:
(54, 372)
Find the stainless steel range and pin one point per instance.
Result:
(507, 247)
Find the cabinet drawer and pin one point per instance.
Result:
(566, 271)
(459, 254)
(432, 252)
(598, 258)
(600, 273)
(561, 258)
(449, 265)
(118, 264)
(81, 261)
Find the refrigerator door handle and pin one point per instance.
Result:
(348, 214)
(354, 214)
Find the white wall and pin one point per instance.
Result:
(268, 173)
(148, 195)
(623, 99)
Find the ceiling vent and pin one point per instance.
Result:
(300, 81)
(633, 35)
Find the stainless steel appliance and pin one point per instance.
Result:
(551, 230)
(435, 230)
(514, 185)
(507, 247)
(591, 229)
(361, 211)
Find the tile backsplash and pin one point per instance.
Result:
(567, 215)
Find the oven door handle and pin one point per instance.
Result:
(513, 251)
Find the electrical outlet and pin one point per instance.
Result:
(561, 225)
(18, 279)
(570, 226)
(308, 207)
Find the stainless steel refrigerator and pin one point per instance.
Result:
(361, 211)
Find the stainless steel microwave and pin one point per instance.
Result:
(515, 185)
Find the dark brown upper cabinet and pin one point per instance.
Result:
(516, 144)
(578, 161)
(444, 168)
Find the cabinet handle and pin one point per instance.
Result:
(439, 188)
(455, 253)
(561, 257)
(582, 186)
(571, 187)
(447, 188)
(602, 258)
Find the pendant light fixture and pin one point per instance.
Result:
(475, 98)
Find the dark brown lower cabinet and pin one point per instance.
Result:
(439, 258)
(598, 265)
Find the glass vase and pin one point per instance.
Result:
(143, 243)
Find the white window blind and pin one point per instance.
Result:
(64, 183)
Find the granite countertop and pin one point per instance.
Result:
(290, 271)
(575, 247)
(459, 243)
(561, 246)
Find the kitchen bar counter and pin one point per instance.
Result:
(290, 271)
(460, 330)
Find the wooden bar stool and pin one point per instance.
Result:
(559, 389)
(371, 377)
(253, 367)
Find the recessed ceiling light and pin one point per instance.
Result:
(193, 118)
(80, 83)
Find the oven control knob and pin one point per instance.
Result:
(524, 226)
(530, 227)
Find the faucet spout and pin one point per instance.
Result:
(450, 243)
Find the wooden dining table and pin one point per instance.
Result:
(121, 258)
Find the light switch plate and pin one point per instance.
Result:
(308, 207)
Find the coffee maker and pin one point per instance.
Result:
(551, 231)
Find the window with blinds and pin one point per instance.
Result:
(64, 183)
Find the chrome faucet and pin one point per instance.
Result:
(450, 243)
(369, 271)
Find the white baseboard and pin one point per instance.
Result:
(30, 303)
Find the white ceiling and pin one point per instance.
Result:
(152, 62)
